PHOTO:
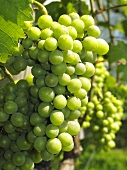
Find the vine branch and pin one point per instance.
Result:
(7, 74)
(106, 9)
(42, 8)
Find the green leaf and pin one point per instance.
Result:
(117, 52)
(122, 70)
(15, 11)
(110, 81)
(9, 35)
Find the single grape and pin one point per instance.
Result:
(68, 148)
(80, 68)
(18, 158)
(53, 146)
(68, 56)
(73, 103)
(59, 101)
(74, 15)
(56, 57)
(78, 24)
(90, 70)
(39, 130)
(40, 143)
(17, 119)
(60, 30)
(46, 94)
(94, 31)
(90, 43)
(77, 46)
(68, 42)
(65, 138)
(44, 109)
(57, 117)
(43, 56)
(72, 32)
(64, 79)
(34, 33)
(88, 21)
(59, 69)
(50, 44)
(44, 21)
(74, 85)
(65, 20)
(52, 131)
(51, 80)
(47, 32)
(73, 127)
(103, 47)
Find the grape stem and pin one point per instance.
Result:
(7, 74)
(42, 7)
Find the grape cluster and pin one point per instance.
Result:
(104, 111)
(61, 56)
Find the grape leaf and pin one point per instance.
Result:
(117, 52)
(122, 70)
(13, 13)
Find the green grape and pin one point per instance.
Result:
(86, 83)
(3, 115)
(22, 142)
(50, 44)
(43, 56)
(31, 136)
(20, 64)
(17, 51)
(103, 47)
(60, 30)
(27, 43)
(47, 32)
(23, 84)
(28, 164)
(13, 136)
(11, 69)
(44, 21)
(44, 109)
(33, 51)
(53, 146)
(64, 20)
(54, 25)
(68, 42)
(57, 117)
(77, 46)
(99, 114)
(56, 57)
(9, 165)
(59, 69)
(8, 127)
(40, 44)
(18, 158)
(46, 94)
(40, 143)
(5, 142)
(75, 114)
(35, 119)
(58, 89)
(73, 103)
(80, 68)
(73, 127)
(90, 70)
(17, 119)
(72, 32)
(69, 56)
(70, 70)
(78, 25)
(76, 59)
(90, 43)
(46, 156)
(88, 56)
(63, 127)
(59, 101)
(52, 131)
(64, 79)
(65, 138)
(93, 31)
(34, 33)
(88, 21)
(39, 130)
(66, 112)
(51, 80)
(81, 93)
(8, 155)
(37, 71)
(68, 148)
(14, 147)
(34, 91)
(74, 85)
(74, 15)
(40, 82)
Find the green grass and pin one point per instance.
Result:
(112, 160)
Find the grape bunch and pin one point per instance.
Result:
(104, 111)
(44, 119)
